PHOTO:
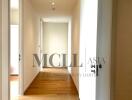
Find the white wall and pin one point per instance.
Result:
(29, 44)
(55, 40)
(104, 49)
(69, 43)
(14, 49)
(75, 41)
(14, 19)
(14, 39)
(0, 49)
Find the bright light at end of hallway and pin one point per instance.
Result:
(14, 4)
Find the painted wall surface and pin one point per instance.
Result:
(14, 41)
(55, 40)
(0, 49)
(104, 49)
(14, 19)
(123, 54)
(75, 42)
(14, 49)
(29, 43)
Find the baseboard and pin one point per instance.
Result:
(54, 67)
(14, 74)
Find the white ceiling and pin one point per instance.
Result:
(62, 6)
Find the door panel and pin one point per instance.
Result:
(104, 49)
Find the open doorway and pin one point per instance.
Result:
(14, 49)
(55, 37)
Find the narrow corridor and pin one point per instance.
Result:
(52, 84)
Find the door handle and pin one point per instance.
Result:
(96, 68)
(19, 57)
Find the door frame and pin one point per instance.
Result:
(6, 49)
(21, 63)
(61, 19)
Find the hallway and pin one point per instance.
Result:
(52, 84)
(74, 33)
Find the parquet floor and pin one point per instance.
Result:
(51, 84)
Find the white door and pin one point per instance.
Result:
(104, 49)
(88, 43)
(95, 42)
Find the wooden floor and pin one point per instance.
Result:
(52, 84)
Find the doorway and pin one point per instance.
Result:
(14, 70)
(56, 30)
(14, 60)
(7, 57)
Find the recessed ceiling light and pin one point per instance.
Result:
(53, 3)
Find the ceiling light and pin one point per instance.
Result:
(53, 7)
(53, 3)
